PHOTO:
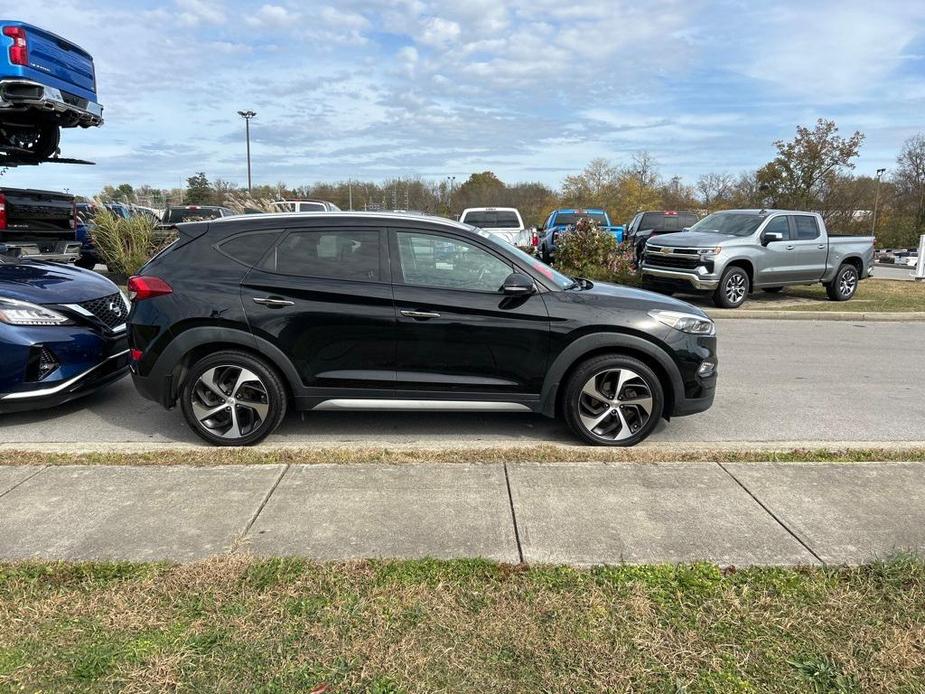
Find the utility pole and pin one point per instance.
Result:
(873, 230)
(247, 115)
(350, 193)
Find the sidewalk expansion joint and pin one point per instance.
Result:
(266, 499)
(510, 498)
(22, 481)
(773, 515)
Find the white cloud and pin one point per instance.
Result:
(195, 12)
(272, 16)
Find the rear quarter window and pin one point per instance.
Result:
(248, 249)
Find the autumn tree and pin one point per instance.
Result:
(909, 179)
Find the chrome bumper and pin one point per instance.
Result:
(695, 280)
(17, 93)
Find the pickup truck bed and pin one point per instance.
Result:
(39, 223)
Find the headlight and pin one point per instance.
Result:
(685, 322)
(716, 250)
(15, 312)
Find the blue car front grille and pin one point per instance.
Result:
(110, 310)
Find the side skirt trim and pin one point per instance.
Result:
(442, 405)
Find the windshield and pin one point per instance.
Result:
(492, 220)
(194, 214)
(730, 223)
(571, 218)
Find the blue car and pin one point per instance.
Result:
(560, 221)
(46, 83)
(62, 333)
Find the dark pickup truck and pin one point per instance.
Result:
(39, 223)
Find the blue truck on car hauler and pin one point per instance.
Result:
(46, 83)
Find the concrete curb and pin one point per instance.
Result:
(872, 317)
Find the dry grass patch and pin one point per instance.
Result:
(873, 295)
(498, 454)
(236, 624)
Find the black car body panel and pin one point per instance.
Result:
(382, 336)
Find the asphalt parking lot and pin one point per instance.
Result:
(781, 381)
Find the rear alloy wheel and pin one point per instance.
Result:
(613, 401)
(845, 284)
(733, 288)
(233, 399)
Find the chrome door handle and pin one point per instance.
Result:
(821, 245)
(789, 248)
(273, 303)
(419, 314)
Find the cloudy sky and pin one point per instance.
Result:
(531, 89)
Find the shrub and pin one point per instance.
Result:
(125, 244)
(587, 251)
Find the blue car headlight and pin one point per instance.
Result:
(14, 312)
(685, 322)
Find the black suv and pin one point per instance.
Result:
(245, 316)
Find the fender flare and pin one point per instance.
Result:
(172, 357)
(583, 346)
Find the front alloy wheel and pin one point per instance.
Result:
(733, 289)
(613, 400)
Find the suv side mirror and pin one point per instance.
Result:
(517, 284)
(771, 236)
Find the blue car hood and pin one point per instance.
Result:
(50, 283)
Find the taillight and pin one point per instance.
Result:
(2, 211)
(19, 51)
(141, 287)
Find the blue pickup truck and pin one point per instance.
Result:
(560, 221)
(46, 83)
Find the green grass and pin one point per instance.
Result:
(238, 624)
(873, 296)
(546, 453)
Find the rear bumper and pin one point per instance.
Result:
(28, 94)
(58, 252)
(695, 280)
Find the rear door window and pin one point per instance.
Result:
(344, 254)
(807, 228)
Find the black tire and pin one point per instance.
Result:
(614, 429)
(252, 427)
(734, 287)
(844, 285)
(85, 262)
(772, 290)
(40, 140)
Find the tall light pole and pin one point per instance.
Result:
(247, 115)
(873, 229)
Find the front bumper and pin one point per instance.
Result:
(107, 371)
(695, 280)
(71, 109)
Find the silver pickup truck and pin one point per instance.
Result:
(734, 252)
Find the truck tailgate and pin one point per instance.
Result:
(36, 212)
(53, 55)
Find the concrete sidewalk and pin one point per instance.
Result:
(589, 513)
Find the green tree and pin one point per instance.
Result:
(198, 190)
(805, 172)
